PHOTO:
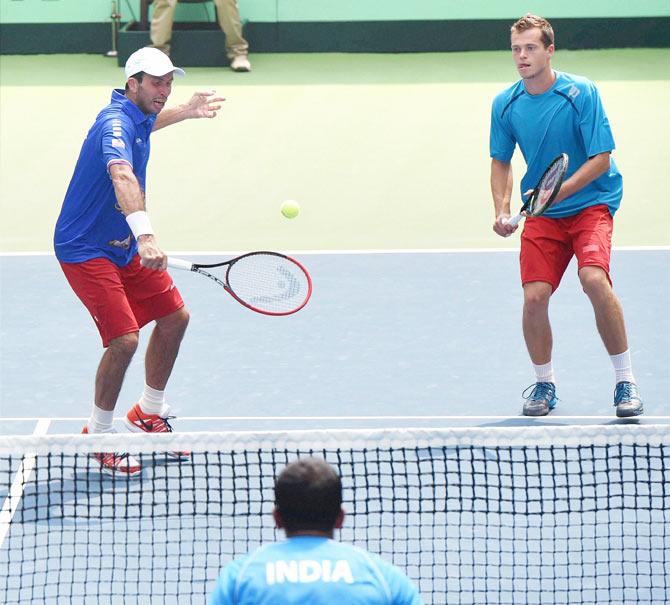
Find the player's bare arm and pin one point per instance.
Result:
(201, 105)
(501, 190)
(127, 188)
(130, 197)
(589, 171)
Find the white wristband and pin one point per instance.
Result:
(139, 223)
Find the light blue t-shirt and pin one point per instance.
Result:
(310, 570)
(567, 118)
(91, 224)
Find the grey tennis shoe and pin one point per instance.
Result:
(541, 400)
(627, 400)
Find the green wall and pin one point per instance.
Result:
(83, 26)
(416, 10)
(96, 11)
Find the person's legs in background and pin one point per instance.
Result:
(161, 24)
(237, 48)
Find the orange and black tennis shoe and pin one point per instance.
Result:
(114, 463)
(139, 422)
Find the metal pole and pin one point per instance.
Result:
(116, 18)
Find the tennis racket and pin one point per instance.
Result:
(545, 192)
(266, 282)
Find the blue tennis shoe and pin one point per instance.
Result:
(627, 400)
(541, 400)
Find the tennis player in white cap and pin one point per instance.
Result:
(107, 249)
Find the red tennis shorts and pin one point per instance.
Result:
(122, 299)
(548, 244)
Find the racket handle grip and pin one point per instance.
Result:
(178, 263)
(515, 220)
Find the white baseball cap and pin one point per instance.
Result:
(151, 61)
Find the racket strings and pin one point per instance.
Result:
(548, 187)
(270, 283)
(543, 198)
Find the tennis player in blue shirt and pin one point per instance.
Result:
(309, 567)
(547, 113)
(108, 251)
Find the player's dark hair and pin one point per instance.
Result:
(529, 21)
(139, 76)
(308, 495)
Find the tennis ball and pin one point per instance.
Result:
(290, 209)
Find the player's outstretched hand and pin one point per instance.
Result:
(203, 104)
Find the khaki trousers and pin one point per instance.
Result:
(228, 16)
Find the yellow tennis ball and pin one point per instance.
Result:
(290, 209)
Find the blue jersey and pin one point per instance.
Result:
(567, 118)
(91, 224)
(309, 570)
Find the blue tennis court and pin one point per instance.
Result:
(437, 348)
(391, 336)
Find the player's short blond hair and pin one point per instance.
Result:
(530, 21)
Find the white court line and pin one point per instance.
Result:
(311, 418)
(406, 251)
(359, 251)
(20, 480)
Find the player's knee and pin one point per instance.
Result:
(182, 317)
(536, 299)
(125, 345)
(594, 281)
(175, 323)
(535, 306)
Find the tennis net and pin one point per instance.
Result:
(551, 515)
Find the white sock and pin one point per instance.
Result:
(152, 400)
(544, 372)
(623, 367)
(100, 420)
